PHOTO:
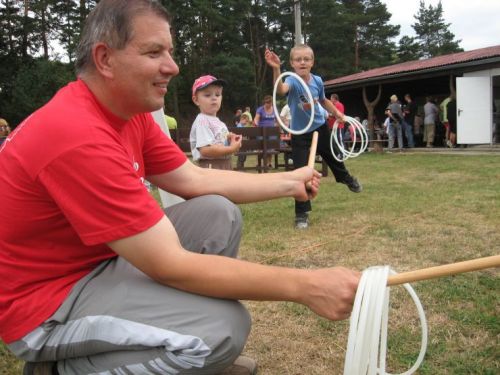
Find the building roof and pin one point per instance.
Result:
(419, 66)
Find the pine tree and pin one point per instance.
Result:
(70, 15)
(330, 36)
(371, 33)
(408, 49)
(433, 33)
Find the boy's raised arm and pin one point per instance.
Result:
(274, 62)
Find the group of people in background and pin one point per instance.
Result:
(403, 123)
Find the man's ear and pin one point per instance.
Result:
(102, 56)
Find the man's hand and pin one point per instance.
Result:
(272, 59)
(308, 181)
(330, 292)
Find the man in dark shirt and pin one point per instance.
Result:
(409, 112)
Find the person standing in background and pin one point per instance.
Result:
(431, 113)
(396, 115)
(451, 110)
(443, 112)
(266, 118)
(4, 130)
(409, 112)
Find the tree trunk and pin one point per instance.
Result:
(45, 44)
(370, 107)
(356, 48)
(24, 45)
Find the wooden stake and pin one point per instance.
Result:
(312, 152)
(445, 270)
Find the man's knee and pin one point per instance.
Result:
(229, 336)
(225, 210)
(208, 224)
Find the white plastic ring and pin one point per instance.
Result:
(309, 97)
(348, 153)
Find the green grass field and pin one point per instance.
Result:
(415, 211)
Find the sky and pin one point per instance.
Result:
(475, 22)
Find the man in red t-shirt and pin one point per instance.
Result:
(340, 107)
(97, 278)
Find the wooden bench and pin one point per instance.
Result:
(256, 141)
(259, 141)
(268, 141)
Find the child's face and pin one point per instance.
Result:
(209, 99)
(244, 120)
(302, 61)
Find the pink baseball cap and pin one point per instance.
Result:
(204, 81)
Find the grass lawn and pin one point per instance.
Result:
(415, 211)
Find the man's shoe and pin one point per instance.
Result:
(242, 366)
(40, 368)
(353, 184)
(302, 221)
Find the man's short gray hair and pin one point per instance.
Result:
(110, 22)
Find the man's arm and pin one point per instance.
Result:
(158, 253)
(190, 181)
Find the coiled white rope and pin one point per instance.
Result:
(309, 98)
(367, 342)
(337, 137)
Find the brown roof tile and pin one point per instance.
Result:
(411, 66)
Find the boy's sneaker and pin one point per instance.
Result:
(353, 184)
(242, 366)
(302, 221)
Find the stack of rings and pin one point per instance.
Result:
(345, 153)
(368, 325)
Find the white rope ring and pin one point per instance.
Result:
(309, 97)
(368, 325)
(348, 153)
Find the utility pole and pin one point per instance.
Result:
(298, 23)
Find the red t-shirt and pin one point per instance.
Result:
(71, 180)
(331, 119)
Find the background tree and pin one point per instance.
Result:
(433, 33)
(226, 38)
(69, 18)
(33, 85)
(371, 34)
(330, 35)
(408, 49)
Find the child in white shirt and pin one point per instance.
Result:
(211, 142)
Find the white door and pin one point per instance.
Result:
(474, 112)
